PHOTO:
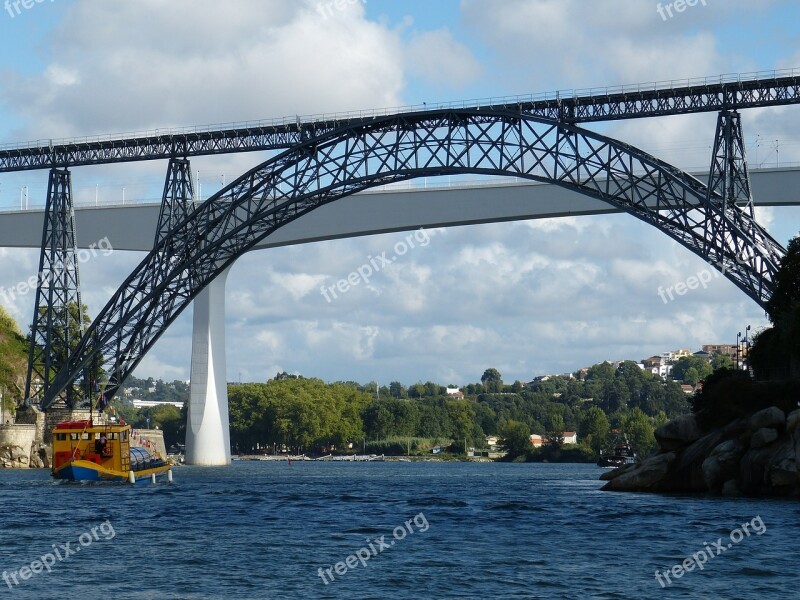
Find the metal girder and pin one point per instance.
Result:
(397, 148)
(729, 183)
(603, 104)
(176, 202)
(57, 313)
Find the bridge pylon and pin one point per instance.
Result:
(730, 192)
(178, 196)
(207, 427)
(57, 311)
(729, 176)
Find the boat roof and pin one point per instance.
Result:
(86, 424)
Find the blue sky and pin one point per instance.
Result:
(554, 295)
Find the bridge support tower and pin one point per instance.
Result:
(57, 310)
(207, 426)
(208, 440)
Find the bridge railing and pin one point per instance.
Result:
(310, 119)
(422, 184)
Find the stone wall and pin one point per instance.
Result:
(154, 436)
(16, 444)
(57, 414)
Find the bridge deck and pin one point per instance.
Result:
(773, 88)
(132, 227)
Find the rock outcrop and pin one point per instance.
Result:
(13, 457)
(755, 456)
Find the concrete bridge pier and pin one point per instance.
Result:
(207, 428)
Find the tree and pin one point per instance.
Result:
(492, 381)
(691, 376)
(640, 431)
(515, 439)
(397, 390)
(775, 353)
(721, 361)
(554, 435)
(594, 428)
(786, 294)
(701, 366)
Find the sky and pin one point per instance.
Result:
(527, 298)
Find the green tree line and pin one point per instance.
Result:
(309, 415)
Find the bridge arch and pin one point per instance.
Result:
(377, 151)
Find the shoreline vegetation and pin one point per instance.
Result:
(743, 436)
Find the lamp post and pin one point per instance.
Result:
(746, 358)
(738, 338)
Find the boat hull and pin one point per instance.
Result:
(83, 470)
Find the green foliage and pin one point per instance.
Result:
(400, 446)
(775, 353)
(13, 360)
(307, 415)
(721, 361)
(304, 415)
(167, 418)
(731, 394)
(640, 431)
(571, 453)
(786, 295)
(515, 439)
(492, 381)
(554, 435)
(594, 429)
(691, 369)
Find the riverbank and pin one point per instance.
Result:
(754, 455)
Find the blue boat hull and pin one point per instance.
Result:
(87, 471)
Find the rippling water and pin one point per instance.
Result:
(263, 530)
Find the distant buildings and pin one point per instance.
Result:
(455, 393)
(570, 437)
(661, 364)
(152, 403)
(726, 349)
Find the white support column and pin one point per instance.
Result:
(207, 429)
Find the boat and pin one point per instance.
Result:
(85, 451)
(624, 454)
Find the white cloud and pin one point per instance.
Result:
(441, 60)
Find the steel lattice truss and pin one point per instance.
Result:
(176, 202)
(328, 167)
(604, 104)
(57, 322)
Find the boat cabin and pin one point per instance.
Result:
(105, 445)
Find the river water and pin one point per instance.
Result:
(386, 530)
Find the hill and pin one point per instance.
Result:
(13, 360)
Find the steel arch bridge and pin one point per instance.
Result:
(380, 151)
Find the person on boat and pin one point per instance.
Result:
(100, 444)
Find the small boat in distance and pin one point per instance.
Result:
(84, 451)
(624, 454)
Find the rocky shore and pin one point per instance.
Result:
(17, 457)
(752, 456)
